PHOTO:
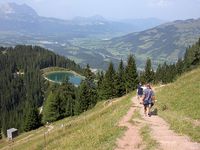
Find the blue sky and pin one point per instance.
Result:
(116, 9)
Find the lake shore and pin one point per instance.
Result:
(50, 70)
(73, 75)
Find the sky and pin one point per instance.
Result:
(115, 9)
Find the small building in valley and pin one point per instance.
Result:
(12, 133)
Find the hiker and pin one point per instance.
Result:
(148, 99)
(139, 91)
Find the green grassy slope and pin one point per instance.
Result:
(179, 104)
(95, 129)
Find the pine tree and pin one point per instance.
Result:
(32, 120)
(59, 103)
(77, 106)
(158, 74)
(148, 72)
(131, 75)
(83, 99)
(120, 80)
(51, 108)
(88, 74)
(87, 93)
(196, 59)
(179, 67)
(67, 99)
(192, 56)
(92, 87)
(100, 79)
(108, 85)
(163, 74)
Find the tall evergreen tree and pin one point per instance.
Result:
(120, 80)
(87, 93)
(158, 74)
(32, 119)
(179, 67)
(51, 108)
(108, 88)
(90, 76)
(131, 74)
(100, 79)
(59, 103)
(192, 56)
(83, 99)
(148, 72)
(67, 99)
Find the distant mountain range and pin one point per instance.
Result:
(96, 40)
(166, 42)
(22, 19)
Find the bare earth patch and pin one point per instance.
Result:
(131, 138)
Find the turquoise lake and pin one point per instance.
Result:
(59, 77)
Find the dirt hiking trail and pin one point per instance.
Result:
(160, 131)
(131, 139)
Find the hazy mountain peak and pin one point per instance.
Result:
(92, 18)
(183, 24)
(17, 9)
(6, 8)
(98, 18)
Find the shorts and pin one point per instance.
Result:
(148, 104)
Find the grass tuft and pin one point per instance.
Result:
(136, 117)
(150, 143)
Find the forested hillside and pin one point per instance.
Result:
(23, 89)
(168, 72)
(22, 86)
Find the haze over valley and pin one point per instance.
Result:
(96, 40)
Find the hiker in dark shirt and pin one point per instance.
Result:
(148, 99)
(139, 91)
